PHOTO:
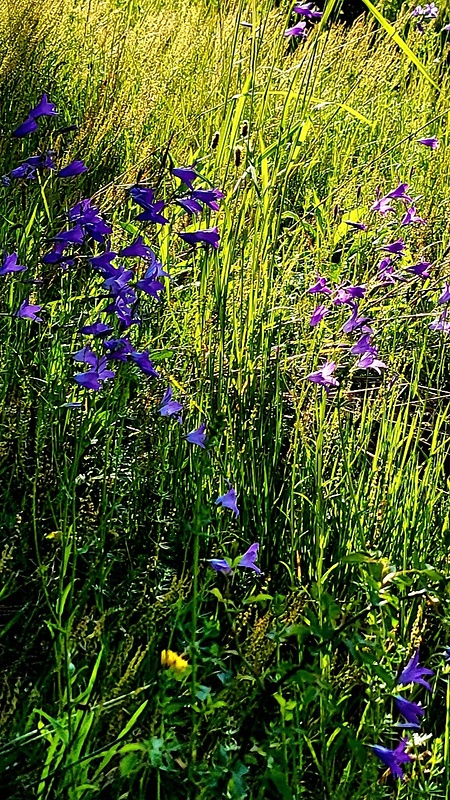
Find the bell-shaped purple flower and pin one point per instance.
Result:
(142, 361)
(45, 108)
(190, 205)
(228, 500)
(411, 217)
(308, 11)
(299, 29)
(421, 269)
(410, 711)
(74, 235)
(393, 758)
(185, 174)
(198, 436)
(93, 378)
(96, 329)
(359, 226)
(220, 565)
(354, 321)
(28, 126)
(137, 250)
(10, 265)
(320, 286)
(209, 236)
(444, 298)
(208, 197)
(169, 407)
(369, 361)
(413, 673)
(324, 376)
(249, 558)
(318, 315)
(431, 141)
(150, 287)
(72, 170)
(118, 349)
(394, 247)
(102, 262)
(363, 346)
(399, 193)
(28, 311)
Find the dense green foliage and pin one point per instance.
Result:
(108, 515)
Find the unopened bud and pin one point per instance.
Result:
(237, 156)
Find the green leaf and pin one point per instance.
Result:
(258, 598)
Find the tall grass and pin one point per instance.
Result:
(108, 515)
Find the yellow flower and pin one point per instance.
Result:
(171, 659)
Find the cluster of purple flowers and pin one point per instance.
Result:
(387, 273)
(411, 713)
(308, 13)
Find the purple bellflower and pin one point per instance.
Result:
(10, 265)
(198, 436)
(308, 11)
(387, 272)
(44, 108)
(72, 170)
(420, 269)
(394, 247)
(382, 205)
(185, 174)
(370, 361)
(441, 324)
(431, 142)
(96, 329)
(324, 376)
(142, 361)
(393, 758)
(354, 321)
(318, 315)
(209, 197)
(320, 286)
(93, 378)
(190, 205)
(74, 235)
(150, 287)
(85, 356)
(152, 211)
(249, 558)
(209, 236)
(411, 217)
(444, 298)
(103, 263)
(220, 565)
(399, 193)
(413, 673)
(410, 711)
(349, 293)
(359, 226)
(169, 407)
(29, 126)
(228, 500)
(363, 346)
(28, 311)
(299, 29)
(137, 250)
(118, 349)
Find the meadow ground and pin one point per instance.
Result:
(239, 613)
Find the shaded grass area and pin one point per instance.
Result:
(108, 515)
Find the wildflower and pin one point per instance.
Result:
(118, 281)
(393, 758)
(10, 265)
(354, 321)
(137, 249)
(142, 360)
(318, 315)
(150, 287)
(89, 217)
(394, 247)
(444, 298)
(27, 311)
(74, 235)
(324, 376)
(119, 349)
(249, 558)
(228, 500)
(411, 216)
(320, 287)
(96, 329)
(412, 673)
(441, 324)
(399, 193)
(85, 356)
(420, 269)
(171, 659)
(44, 108)
(386, 270)
(299, 29)
(169, 407)
(431, 141)
(103, 263)
(369, 361)
(152, 211)
(363, 346)
(220, 565)
(190, 205)
(72, 170)
(410, 711)
(185, 174)
(28, 126)
(123, 310)
(348, 293)
(360, 226)
(209, 236)
(383, 205)
(209, 197)
(198, 436)
(93, 378)
(308, 11)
